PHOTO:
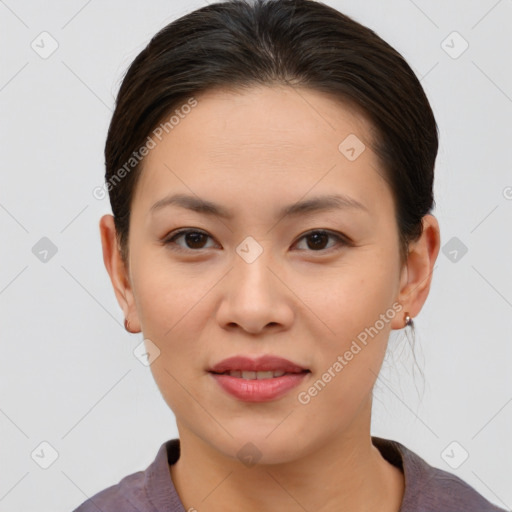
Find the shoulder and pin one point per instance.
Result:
(128, 495)
(144, 491)
(430, 488)
(447, 491)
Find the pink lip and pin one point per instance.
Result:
(258, 390)
(261, 364)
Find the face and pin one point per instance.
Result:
(318, 286)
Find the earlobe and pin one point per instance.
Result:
(417, 273)
(117, 271)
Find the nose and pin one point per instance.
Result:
(255, 297)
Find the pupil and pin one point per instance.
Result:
(193, 238)
(316, 237)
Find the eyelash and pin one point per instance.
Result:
(170, 239)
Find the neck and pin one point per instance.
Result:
(346, 473)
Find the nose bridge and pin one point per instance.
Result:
(254, 296)
(251, 266)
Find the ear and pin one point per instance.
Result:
(118, 272)
(417, 272)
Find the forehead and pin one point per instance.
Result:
(271, 141)
(277, 116)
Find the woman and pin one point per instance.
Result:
(270, 170)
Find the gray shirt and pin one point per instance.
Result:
(427, 489)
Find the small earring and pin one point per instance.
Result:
(408, 320)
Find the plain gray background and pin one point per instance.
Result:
(69, 376)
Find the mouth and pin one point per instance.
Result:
(257, 380)
(261, 375)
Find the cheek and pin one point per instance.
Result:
(353, 297)
(166, 292)
(174, 308)
(356, 315)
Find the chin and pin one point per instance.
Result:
(255, 446)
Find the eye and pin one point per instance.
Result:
(191, 236)
(318, 238)
(195, 239)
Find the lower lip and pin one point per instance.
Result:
(258, 390)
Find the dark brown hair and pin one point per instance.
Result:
(304, 43)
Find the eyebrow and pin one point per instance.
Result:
(315, 204)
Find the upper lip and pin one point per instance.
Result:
(261, 364)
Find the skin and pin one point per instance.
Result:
(254, 152)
